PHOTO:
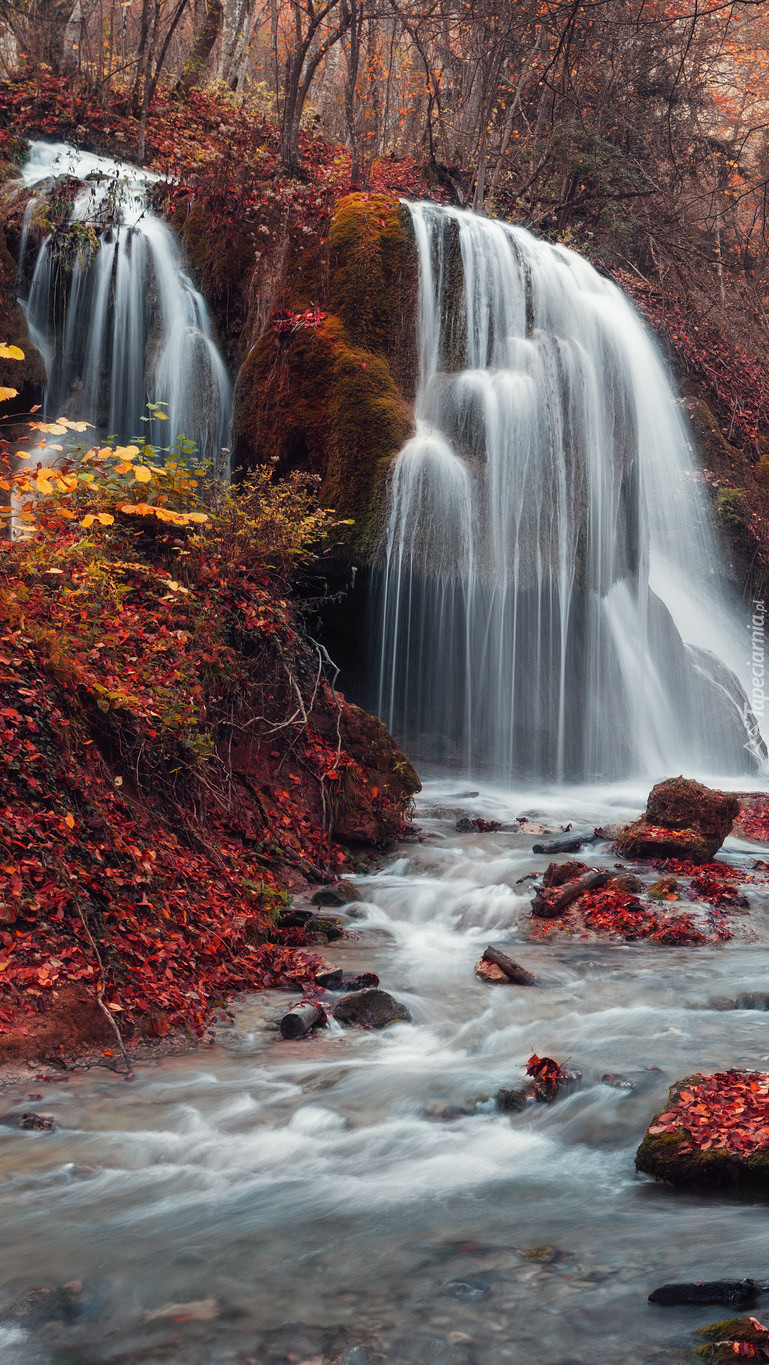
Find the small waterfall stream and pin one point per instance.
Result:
(123, 325)
(549, 601)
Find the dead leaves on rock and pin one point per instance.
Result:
(728, 1111)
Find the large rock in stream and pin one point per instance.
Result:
(372, 1009)
(712, 1134)
(683, 819)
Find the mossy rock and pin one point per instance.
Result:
(721, 1336)
(683, 819)
(315, 402)
(680, 802)
(220, 256)
(718, 1169)
(373, 280)
(335, 400)
(642, 840)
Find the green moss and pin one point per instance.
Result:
(732, 506)
(372, 276)
(314, 401)
(720, 1337)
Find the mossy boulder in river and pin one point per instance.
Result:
(713, 1134)
(333, 398)
(724, 1338)
(683, 819)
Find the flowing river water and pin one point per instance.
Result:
(355, 1194)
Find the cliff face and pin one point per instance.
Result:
(327, 388)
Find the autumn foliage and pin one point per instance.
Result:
(172, 743)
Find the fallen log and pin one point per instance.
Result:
(551, 904)
(514, 973)
(571, 845)
(301, 1019)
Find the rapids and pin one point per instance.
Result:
(356, 1190)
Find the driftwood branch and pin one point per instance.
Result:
(513, 971)
(549, 904)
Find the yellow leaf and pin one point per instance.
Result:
(22, 454)
(105, 519)
(141, 509)
(74, 426)
(65, 512)
(142, 474)
(69, 820)
(42, 484)
(7, 393)
(197, 516)
(87, 521)
(10, 352)
(127, 452)
(161, 416)
(50, 428)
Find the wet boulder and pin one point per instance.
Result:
(683, 819)
(725, 1340)
(340, 893)
(371, 1009)
(557, 874)
(712, 1134)
(514, 1101)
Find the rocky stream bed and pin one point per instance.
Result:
(356, 1195)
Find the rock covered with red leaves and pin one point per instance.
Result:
(712, 1134)
(683, 819)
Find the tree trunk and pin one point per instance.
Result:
(196, 65)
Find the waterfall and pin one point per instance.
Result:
(547, 591)
(120, 324)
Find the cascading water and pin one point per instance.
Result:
(548, 593)
(123, 326)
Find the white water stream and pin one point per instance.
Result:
(127, 327)
(356, 1190)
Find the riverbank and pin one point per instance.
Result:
(176, 757)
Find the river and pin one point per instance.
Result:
(355, 1195)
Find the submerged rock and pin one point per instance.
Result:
(372, 1009)
(513, 1101)
(683, 819)
(39, 1306)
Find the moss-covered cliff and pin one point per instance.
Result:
(334, 398)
